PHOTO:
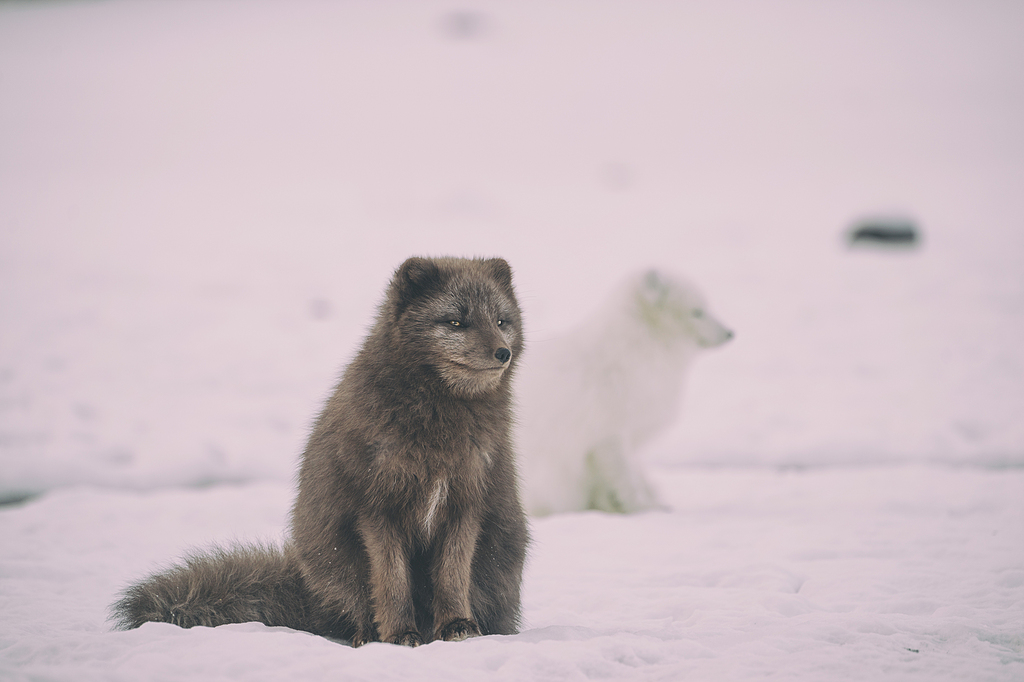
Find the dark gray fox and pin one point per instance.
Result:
(407, 526)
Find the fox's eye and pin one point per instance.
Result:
(501, 322)
(455, 323)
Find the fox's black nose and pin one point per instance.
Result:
(503, 354)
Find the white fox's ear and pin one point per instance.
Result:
(652, 279)
(414, 277)
(501, 270)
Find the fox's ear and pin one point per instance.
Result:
(501, 270)
(414, 277)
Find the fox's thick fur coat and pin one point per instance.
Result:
(407, 526)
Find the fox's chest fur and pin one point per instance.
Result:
(429, 484)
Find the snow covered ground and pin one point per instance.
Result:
(201, 203)
(909, 572)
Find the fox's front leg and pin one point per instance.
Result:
(451, 572)
(394, 614)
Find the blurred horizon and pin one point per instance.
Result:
(200, 205)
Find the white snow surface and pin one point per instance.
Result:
(200, 205)
(903, 572)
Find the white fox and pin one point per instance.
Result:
(591, 398)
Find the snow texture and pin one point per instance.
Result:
(200, 205)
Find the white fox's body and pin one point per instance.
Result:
(591, 398)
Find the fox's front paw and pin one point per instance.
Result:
(458, 630)
(409, 638)
(364, 635)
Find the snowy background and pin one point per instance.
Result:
(200, 204)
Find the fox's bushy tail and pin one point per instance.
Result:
(241, 584)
